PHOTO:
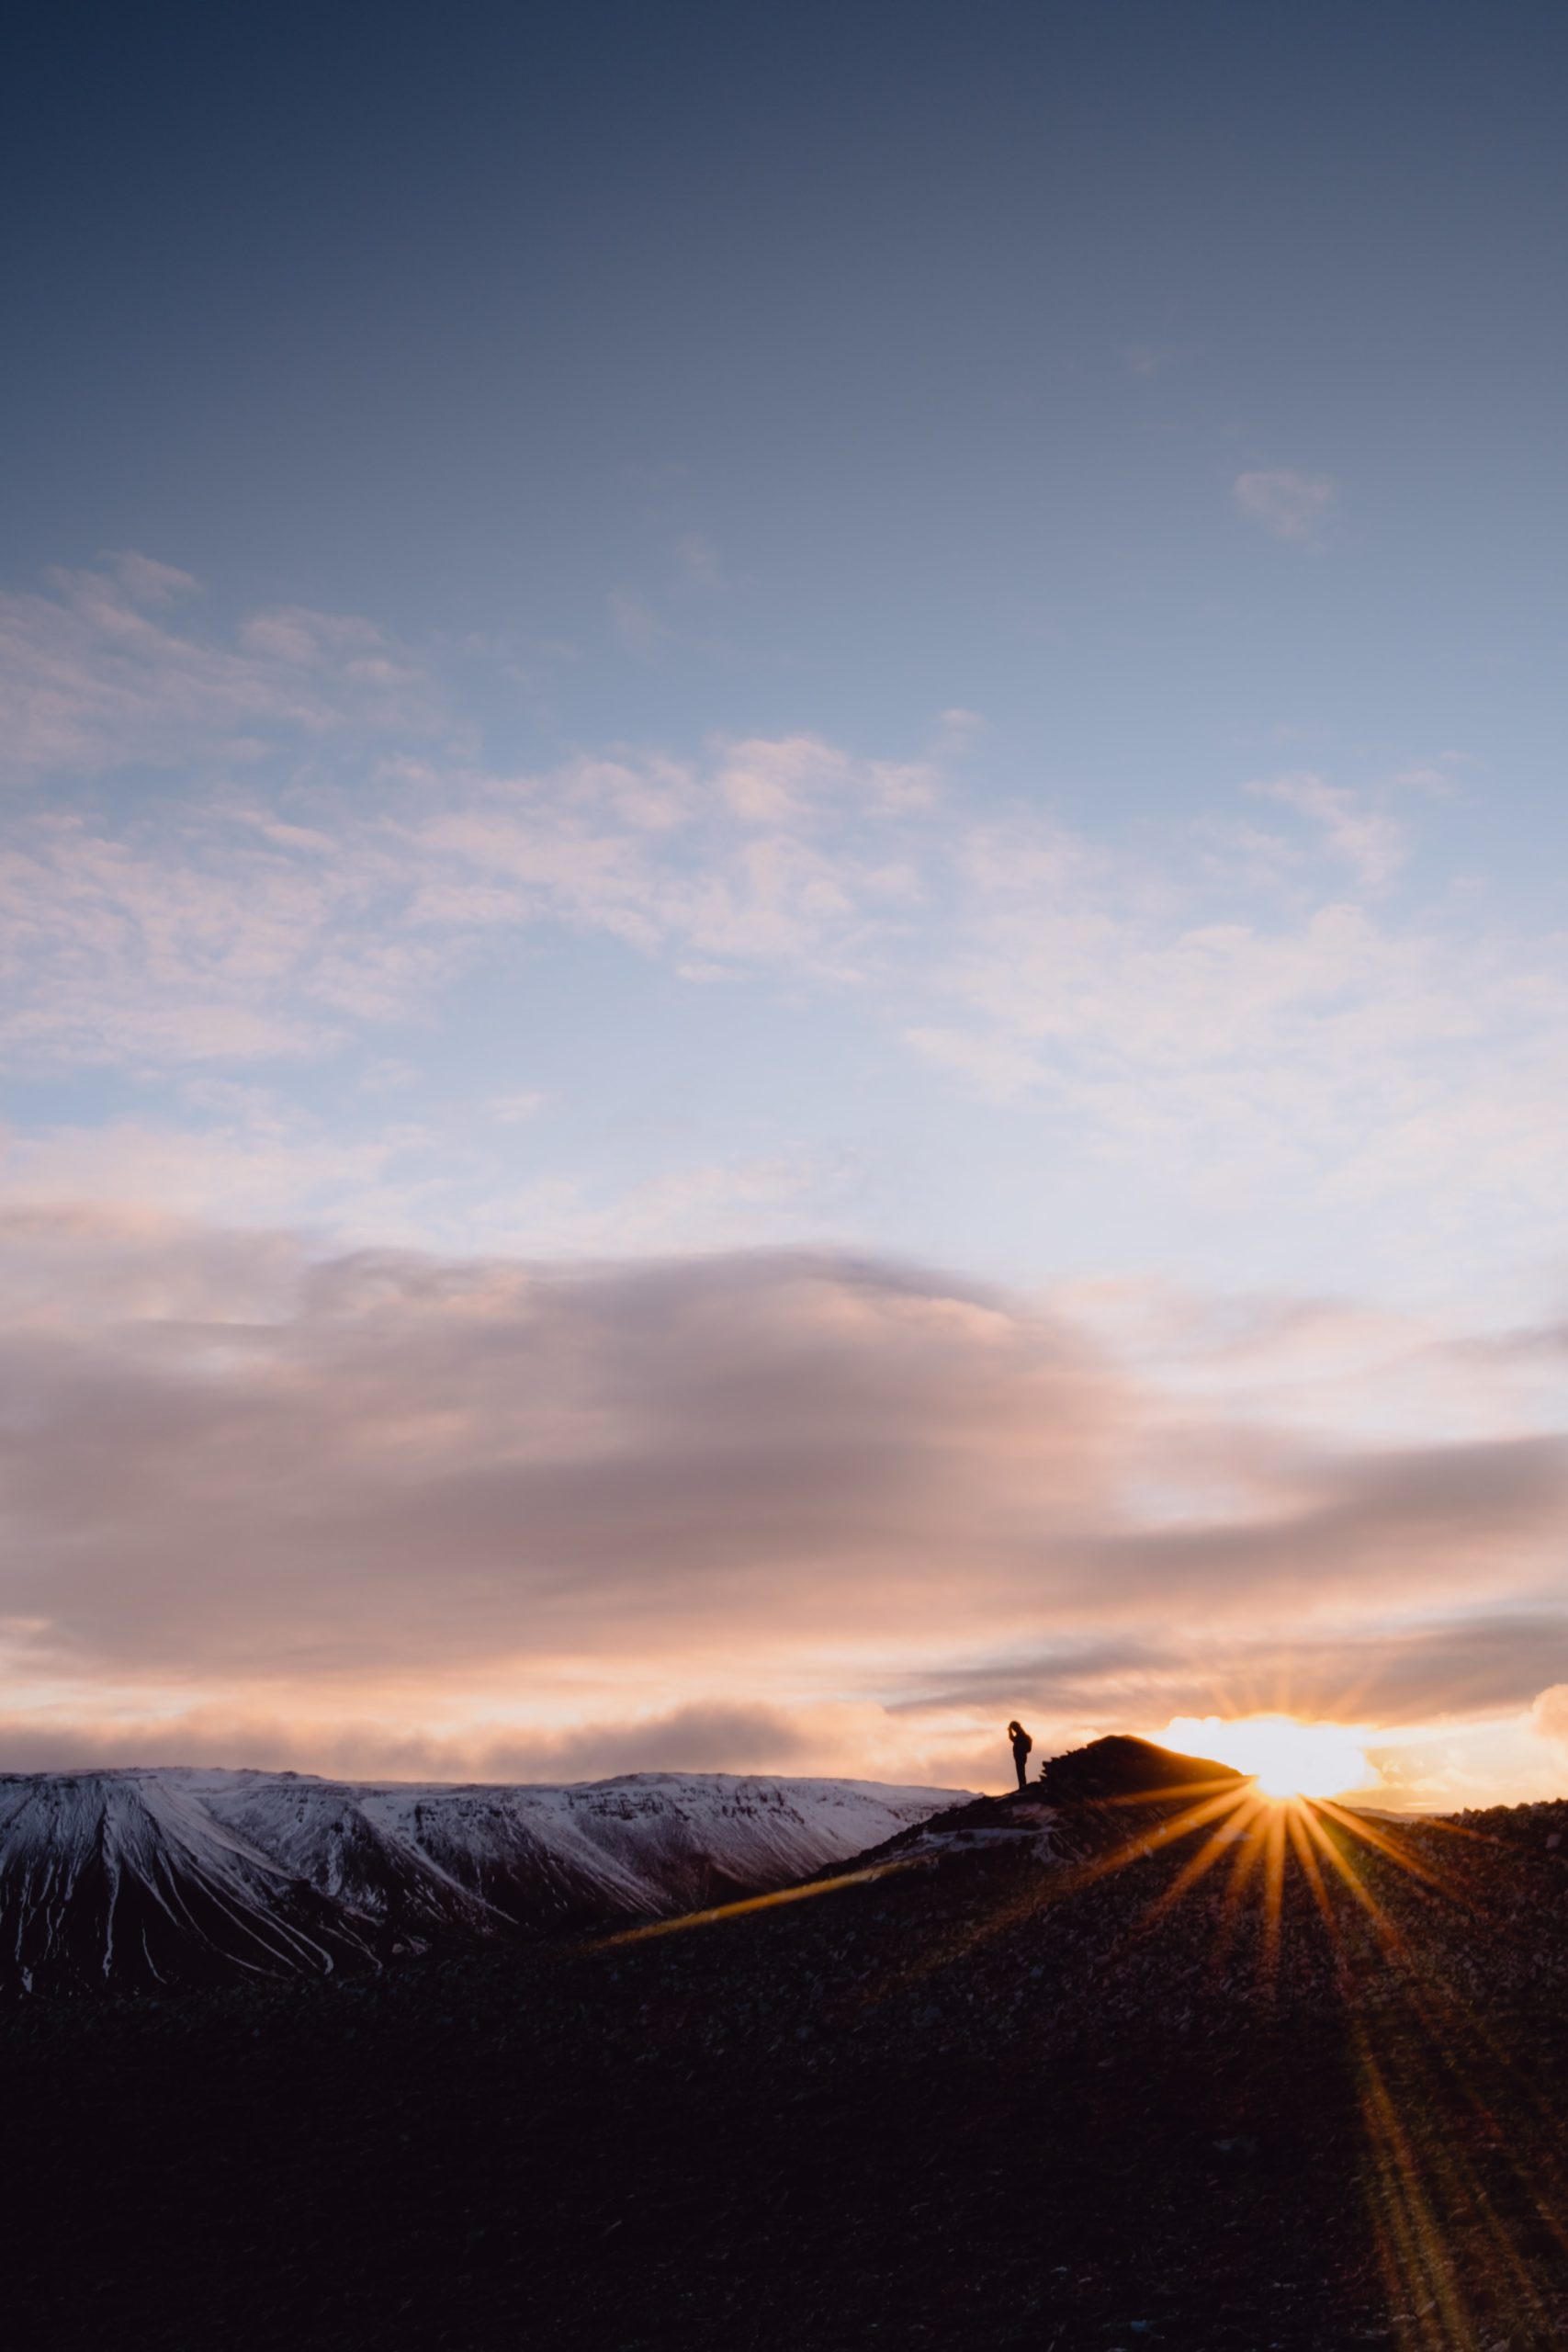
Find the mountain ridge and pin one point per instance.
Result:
(135, 1878)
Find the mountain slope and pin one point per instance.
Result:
(140, 1879)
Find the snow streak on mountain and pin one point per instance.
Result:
(136, 1880)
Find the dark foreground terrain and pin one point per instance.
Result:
(1031, 2093)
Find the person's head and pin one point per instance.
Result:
(1015, 1731)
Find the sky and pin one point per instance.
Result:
(781, 846)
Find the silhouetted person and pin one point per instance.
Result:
(1022, 1744)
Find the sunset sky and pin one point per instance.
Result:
(783, 943)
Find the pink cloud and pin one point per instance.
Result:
(705, 1738)
(749, 1482)
(95, 676)
(1368, 840)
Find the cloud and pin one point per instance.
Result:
(1292, 505)
(712, 1205)
(242, 1477)
(1370, 844)
(699, 565)
(992, 1066)
(256, 1163)
(712, 1738)
(1151, 358)
(249, 1157)
(1275, 1044)
(402, 1462)
(201, 936)
(512, 1109)
(1549, 1714)
(635, 623)
(799, 777)
(759, 856)
(323, 864)
(95, 676)
(218, 927)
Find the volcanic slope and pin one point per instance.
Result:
(150, 1880)
(1064, 2072)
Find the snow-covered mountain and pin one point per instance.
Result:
(134, 1879)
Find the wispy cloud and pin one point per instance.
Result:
(699, 565)
(1292, 505)
(246, 923)
(1277, 1043)
(1253, 1011)
(635, 623)
(95, 676)
(701, 1205)
(512, 1109)
(253, 1163)
(202, 936)
(1150, 359)
(1369, 839)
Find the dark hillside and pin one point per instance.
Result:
(1031, 2093)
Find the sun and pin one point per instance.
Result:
(1286, 1759)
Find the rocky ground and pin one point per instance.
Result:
(1020, 2090)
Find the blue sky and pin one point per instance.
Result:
(924, 641)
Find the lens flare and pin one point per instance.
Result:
(1286, 1759)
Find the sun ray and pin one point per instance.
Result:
(1226, 1783)
(1249, 1857)
(1311, 1869)
(1417, 2274)
(722, 1911)
(1215, 1846)
(1352, 1880)
(1273, 1888)
(1373, 1834)
(1167, 1833)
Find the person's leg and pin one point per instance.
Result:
(1022, 1770)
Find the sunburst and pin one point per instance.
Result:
(1419, 2048)
(1435, 2085)
(1284, 1757)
